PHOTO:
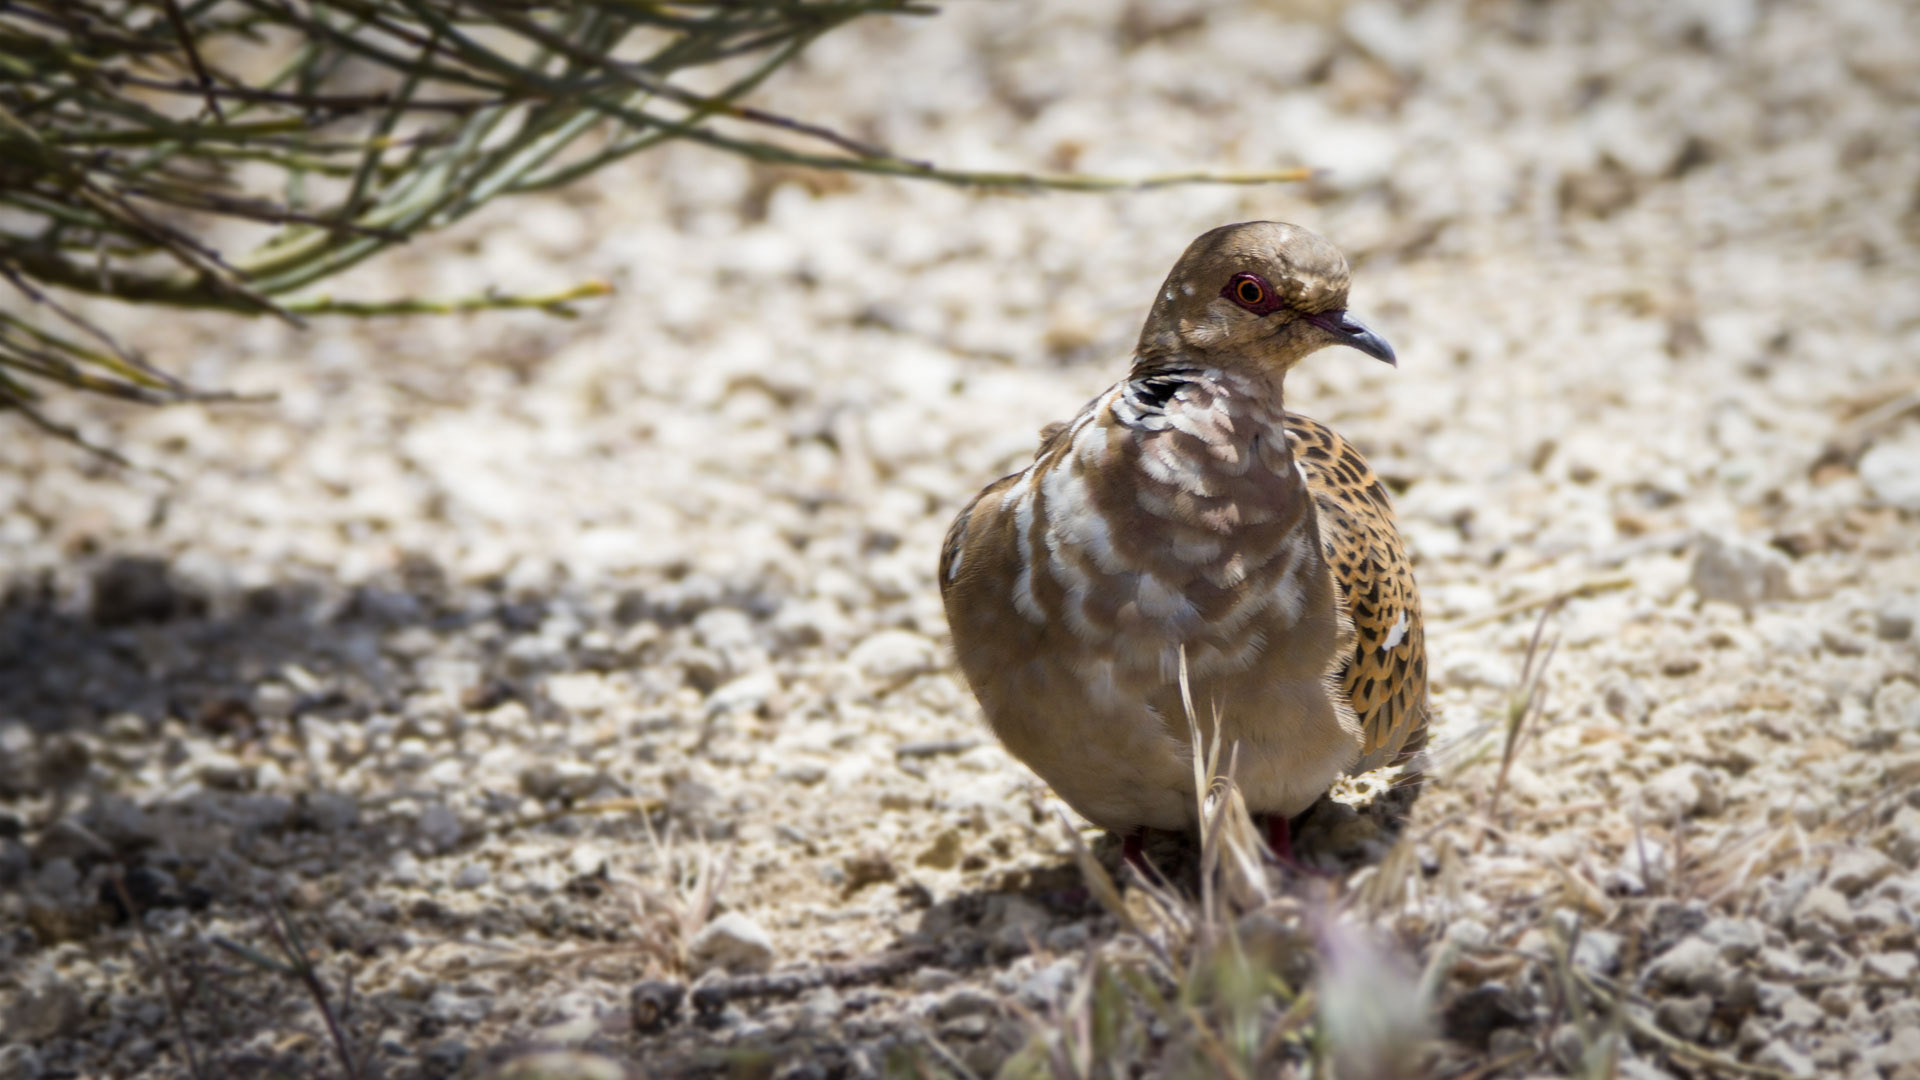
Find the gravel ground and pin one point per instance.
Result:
(524, 661)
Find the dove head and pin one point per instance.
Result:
(1259, 295)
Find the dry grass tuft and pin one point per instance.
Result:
(1256, 971)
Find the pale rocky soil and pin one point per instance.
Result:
(1651, 271)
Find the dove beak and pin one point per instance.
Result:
(1347, 330)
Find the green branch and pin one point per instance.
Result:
(123, 140)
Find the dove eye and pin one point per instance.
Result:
(1250, 291)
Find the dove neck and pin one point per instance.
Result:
(1257, 389)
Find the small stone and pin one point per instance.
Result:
(1628, 701)
(1510, 1044)
(870, 867)
(1736, 940)
(749, 695)
(701, 809)
(444, 1058)
(47, 1012)
(1839, 1000)
(1891, 470)
(15, 862)
(449, 1006)
(1740, 991)
(810, 622)
(931, 978)
(20, 1062)
(1781, 964)
(655, 1004)
(1686, 1017)
(1644, 862)
(966, 1001)
(1673, 920)
(1682, 791)
(58, 881)
(1477, 1016)
(1893, 624)
(1780, 1054)
(966, 1028)
(557, 1065)
(1691, 965)
(439, 827)
(581, 692)
(893, 655)
(405, 869)
(1797, 1014)
(1598, 951)
(1902, 1051)
(1568, 1046)
(1876, 916)
(943, 853)
(472, 876)
(1468, 933)
(563, 779)
(1896, 708)
(587, 861)
(1050, 985)
(1898, 1015)
(1841, 644)
(1898, 967)
(1855, 871)
(328, 811)
(223, 771)
(136, 590)
(1070, 938)
(806, 773)
(732, 942)
(821, 1006)
(1014, 921)
(728, 630)
(1738, 574)
(1821, 915)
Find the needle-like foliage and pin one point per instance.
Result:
(228, 154)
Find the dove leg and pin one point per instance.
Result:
(1280, 839)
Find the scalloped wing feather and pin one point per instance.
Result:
(1386, 676)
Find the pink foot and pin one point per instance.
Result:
(1280, 842)
(1280, 838)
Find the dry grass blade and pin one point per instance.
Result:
(1101, 884)
(295, 963)
(287, 935)
(174, 1012)
(1527, 703)
(1680, 1048)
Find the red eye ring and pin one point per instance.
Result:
(1252, 292)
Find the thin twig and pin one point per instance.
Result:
(185, 35)
(552, 303)
(172, 993)
(287, 935)
(1528, 603)
(1675, 1045)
